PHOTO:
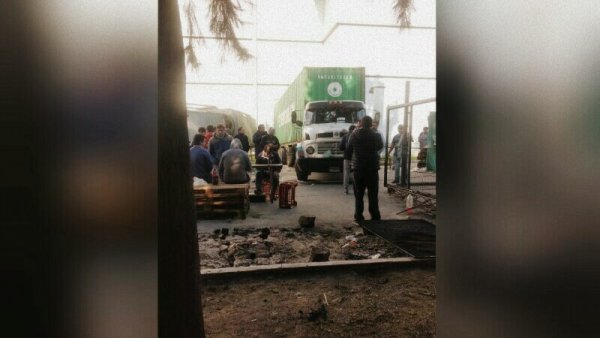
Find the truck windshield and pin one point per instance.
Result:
(328, 113)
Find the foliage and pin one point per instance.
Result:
(224, 19)
(403, 8)
(189, 10)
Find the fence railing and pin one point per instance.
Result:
(419, 177)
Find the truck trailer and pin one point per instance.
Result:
(202, 116)
(310, 116)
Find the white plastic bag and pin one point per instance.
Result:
(198, 182)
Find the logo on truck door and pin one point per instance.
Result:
(334, 89)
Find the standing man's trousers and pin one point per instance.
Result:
(346, 174)
(370, 182)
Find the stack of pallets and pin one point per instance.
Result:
(222, 198)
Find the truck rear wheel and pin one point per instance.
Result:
(292, 158)
(284, 154)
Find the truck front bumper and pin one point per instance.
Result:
(321, 165)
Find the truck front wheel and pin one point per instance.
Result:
(301, 175)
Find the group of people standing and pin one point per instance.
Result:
(400, 146)
(215, 155)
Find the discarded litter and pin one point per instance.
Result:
(351, 244)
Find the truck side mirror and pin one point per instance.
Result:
(295, 119)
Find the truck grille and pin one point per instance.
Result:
(331, 146)
(325, 135)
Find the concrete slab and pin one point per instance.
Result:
(323, 196)
(313, 266)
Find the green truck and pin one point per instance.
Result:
(311, 114)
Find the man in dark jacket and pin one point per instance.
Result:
(241, 135)
(201, 131)
(270, 138)
(200, 159)
(235, 164)
(218, 144)
(267, 156)
(363, 149)
(256, 138)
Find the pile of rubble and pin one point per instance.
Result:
(250, 246)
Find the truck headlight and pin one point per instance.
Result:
(310, 150)
(306, 136)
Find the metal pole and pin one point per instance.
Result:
(256, 57)
(414, 103)
(409, 135)
(385, 148)
(406, 101)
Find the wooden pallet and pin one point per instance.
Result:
(222, 198)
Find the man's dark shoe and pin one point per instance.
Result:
(359, 218)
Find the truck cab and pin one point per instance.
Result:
(322, 128)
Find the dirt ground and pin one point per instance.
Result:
(385, 302)
(393, 301)
(390, 301)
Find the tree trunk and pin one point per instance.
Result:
(180, 309)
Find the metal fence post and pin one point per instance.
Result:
(409, 135)
(385, 148)
(406, 101)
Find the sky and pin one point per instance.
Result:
(293, 34)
